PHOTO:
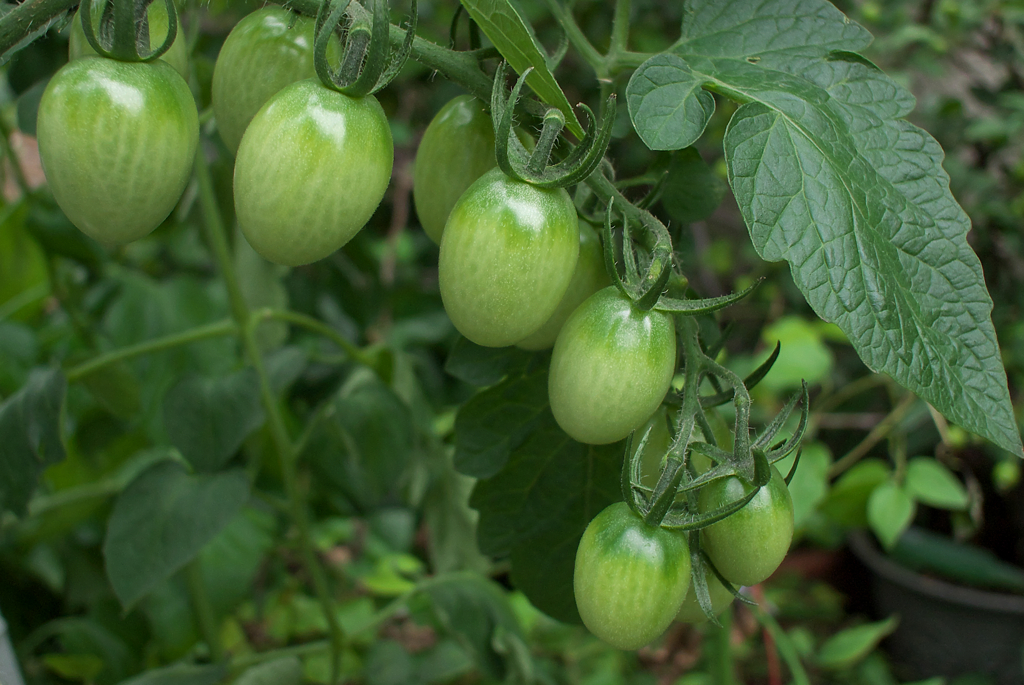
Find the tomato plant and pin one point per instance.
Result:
(749, 545)
(610, 368)
(507, 257)
(117, 140)
(374, 467)
(312, 172)
(630, 578)
(456, 149)
(266, 51)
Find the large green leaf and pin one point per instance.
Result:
(496, 421)
(516, 42)
(831, 178)
(30, 436)
(208, 418)
(365, 444)
(537, 507)
(162, 521)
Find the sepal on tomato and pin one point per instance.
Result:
(367, 65)
(533, 168)
(124, 30)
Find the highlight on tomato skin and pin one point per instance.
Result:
(611, 368)
(507, 256)
(747, 546)
(311, 169)
(630, 579)
(457, 148)
(117, 141)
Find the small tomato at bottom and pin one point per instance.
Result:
(630, 578)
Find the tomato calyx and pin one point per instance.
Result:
(124, 29)
(367, 64)
(535, 168)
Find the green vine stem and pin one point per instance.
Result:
(205, 616)
(620, 27)
(354, 352)
(28, 17)
(786, 649)
(214, 330)
(217, 237)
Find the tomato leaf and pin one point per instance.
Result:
(162, 521)
(847, 647)
(890, 511)
(208, 418)
(483, 366)
(537, 507)
(366, 444)
(283, 671)
(830, 177)
(30, 438)
(931, 483)
(515, 40)
(475, 611)
(496, 421)
(668, 107)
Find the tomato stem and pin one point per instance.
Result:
(203, 609)
(213, 330)
(217, 237)
(554, 122)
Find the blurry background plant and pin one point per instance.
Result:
(419, 603)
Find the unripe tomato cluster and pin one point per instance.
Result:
(632, 579)
(517, 267)
(117, 140)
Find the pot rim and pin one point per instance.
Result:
(865, 549)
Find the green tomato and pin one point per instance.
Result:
(310, 171)
(611, 368)
(630, 578)
(507, 256)
(457, 148)
(117, 141)
(588, 277)
(721, 599)
(267, 50)
(176, 55)
(750, 544)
